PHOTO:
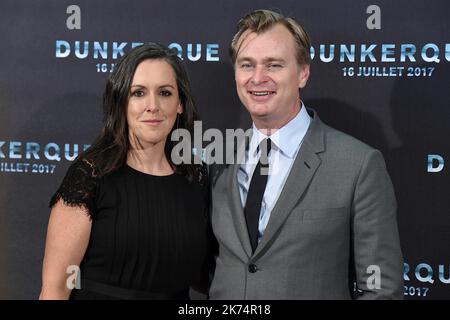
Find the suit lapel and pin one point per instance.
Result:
(237, 211)
(302, 171)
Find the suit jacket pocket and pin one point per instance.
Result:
(324, 214)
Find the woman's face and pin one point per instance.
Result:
(153, 104)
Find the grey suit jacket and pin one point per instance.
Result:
(335, 217)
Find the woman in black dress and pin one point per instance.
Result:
(135, 223)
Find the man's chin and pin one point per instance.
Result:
(260, 117)
(258, 111)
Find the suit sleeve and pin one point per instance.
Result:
(378, 260)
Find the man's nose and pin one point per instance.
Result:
(259, 75)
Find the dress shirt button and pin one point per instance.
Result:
(252, 268)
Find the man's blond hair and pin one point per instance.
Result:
(260, 21)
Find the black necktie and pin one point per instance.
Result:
(256, 192)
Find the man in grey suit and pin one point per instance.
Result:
(322, 223)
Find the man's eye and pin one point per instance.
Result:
(165, 93)
(138, 93)
(275, 66)
(246, 66)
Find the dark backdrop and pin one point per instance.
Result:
(50, 105)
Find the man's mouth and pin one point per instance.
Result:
(261, 93)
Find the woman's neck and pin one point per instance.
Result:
(150, 159)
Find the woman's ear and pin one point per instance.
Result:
(180, 109)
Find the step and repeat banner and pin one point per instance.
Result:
(380, 72)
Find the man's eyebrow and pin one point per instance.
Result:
(244, 59)
(272, 59)
(265, 60)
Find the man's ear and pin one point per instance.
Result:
(303, 76)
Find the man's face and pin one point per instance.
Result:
(268, 76)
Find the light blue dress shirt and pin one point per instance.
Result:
(286, 143)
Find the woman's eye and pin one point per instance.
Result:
(165, 93)
(138, 93)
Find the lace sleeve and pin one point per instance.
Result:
(79, 187)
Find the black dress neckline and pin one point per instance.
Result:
(137, 172)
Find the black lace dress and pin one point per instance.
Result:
(150, 234)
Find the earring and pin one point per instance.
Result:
(178, 121)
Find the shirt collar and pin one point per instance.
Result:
(287, 138)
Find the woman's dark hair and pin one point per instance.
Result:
(109, 150)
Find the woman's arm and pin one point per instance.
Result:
(68, 235)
